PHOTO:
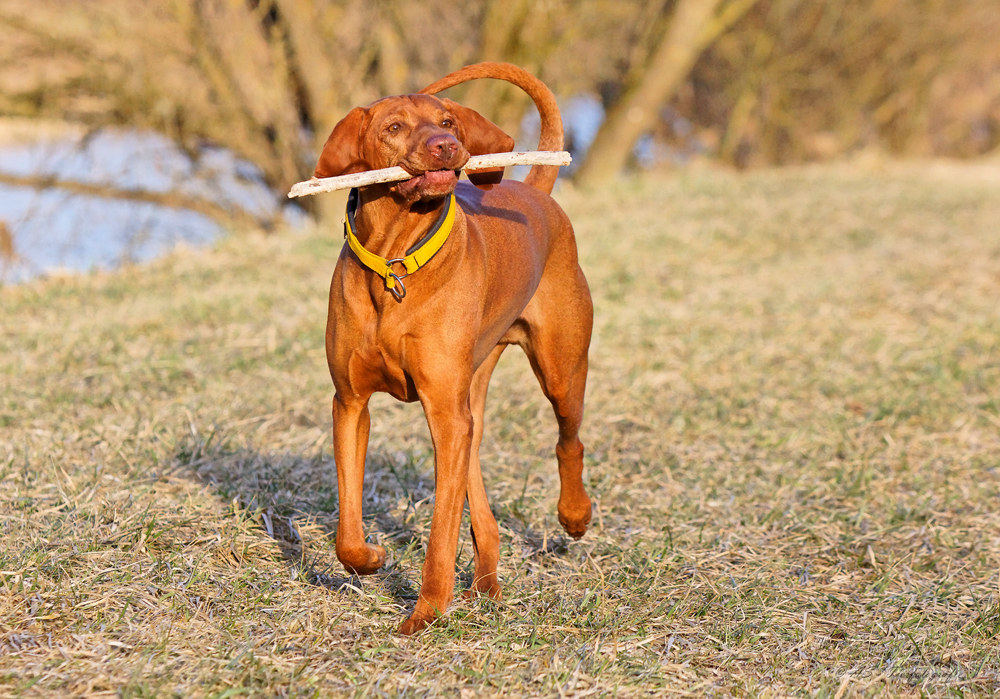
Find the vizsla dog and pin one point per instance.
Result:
(439, 276)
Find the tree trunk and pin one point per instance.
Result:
(316, 70)
(694, 26)
(500, 30)
(392, 66)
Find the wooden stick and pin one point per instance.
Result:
(397, 174)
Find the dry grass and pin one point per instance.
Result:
(793, 425)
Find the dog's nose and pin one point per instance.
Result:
(443, 147)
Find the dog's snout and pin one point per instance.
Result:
(443, 147)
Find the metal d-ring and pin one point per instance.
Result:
(399, 280)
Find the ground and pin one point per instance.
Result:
(793, 434)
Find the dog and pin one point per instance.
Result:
(437, 278)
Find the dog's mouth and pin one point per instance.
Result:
(430, 184)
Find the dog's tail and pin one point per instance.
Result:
(542, 177)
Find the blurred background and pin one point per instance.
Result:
(129, 126)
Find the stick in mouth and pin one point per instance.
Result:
(398, 174)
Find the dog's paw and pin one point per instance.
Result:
(492, 590)
(574, 515)
(415, 624)
(575, 525)
(363, 562)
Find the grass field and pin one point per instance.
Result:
(793, 437)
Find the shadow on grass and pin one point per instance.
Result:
(293, 499)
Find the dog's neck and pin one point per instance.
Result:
(388, 225)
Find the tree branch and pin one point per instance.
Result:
(230, 218)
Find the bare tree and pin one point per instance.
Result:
(266, 79)
(7, 251)
(693, 26)
(799, 80)
(776, 81)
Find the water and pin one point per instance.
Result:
(55, 231)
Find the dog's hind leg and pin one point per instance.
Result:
(485, 534)
(559, 321)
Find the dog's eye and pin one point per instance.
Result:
(446, 123)
(394, 128)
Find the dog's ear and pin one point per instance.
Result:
(481, 136)
(342, 152)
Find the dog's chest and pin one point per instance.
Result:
(380, 369)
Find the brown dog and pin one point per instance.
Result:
(507, 273)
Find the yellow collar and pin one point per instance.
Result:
(416, 257)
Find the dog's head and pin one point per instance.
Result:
(429, 137)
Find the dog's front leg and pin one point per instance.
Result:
(351, 423)
(450, 420)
